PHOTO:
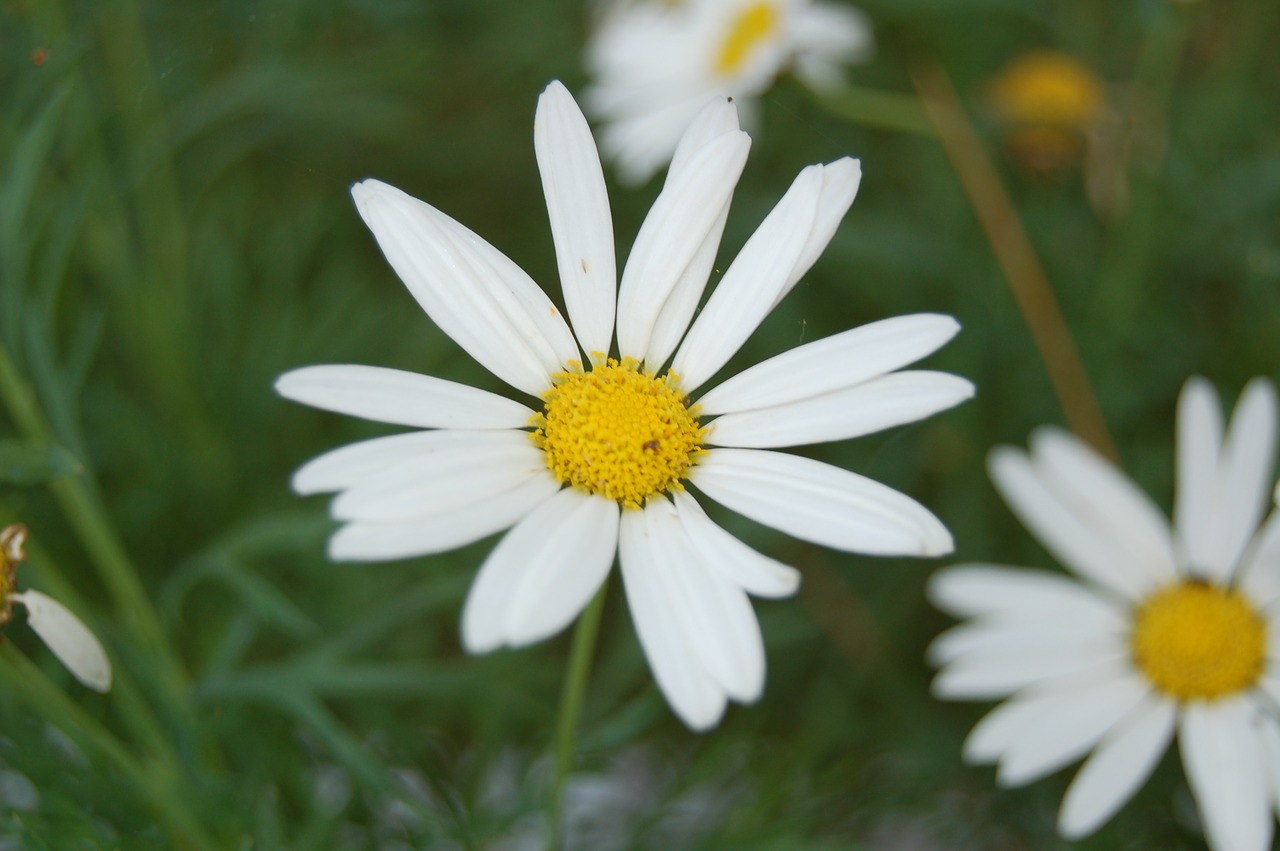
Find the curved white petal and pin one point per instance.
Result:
(1245, 476)
(1199, 437)
(472, 291)
(581, 223)
(966, 590)
(690, 691)
(673, 234)
(399, 397)
(68, 638)
(1118, 767)
(542, 573)
(751, 284)
(1069, 727)
(457, 468)
(753, 572)
(820, 503)
(1052, 517)
(840, 181)
(1109, 501)
(875, 405)
(1222, 755)
(832, 363)
(716, 615)
(455, 526)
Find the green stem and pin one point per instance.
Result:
(571, 696)
(24, 678)
(876, 108)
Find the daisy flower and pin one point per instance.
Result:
(656, 62)
(64, 633)
(600, 462)
(1162, 630)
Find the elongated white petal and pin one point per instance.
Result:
(840, 181)
(454, 527)
(348, 465)
(673, 319)
(1069, 728)
(716, 615)
(459, 468)
(1058, 634)
(820, 503)
(715, 118)
(672, 234)
(542, 573)
(1244, 479)
(1199, 436)
(690, 691)
(751, 284)
(68, 638)
(753, 572)
(1222, 755)
(996, 730)
(966, 590)
(477, 296)
(891, 400)
(832, 363)
(1052, 517)
(581, 223)
(1260, 570)
(401, 398)
(991, 675)
(1107, 500)
(1118, 767)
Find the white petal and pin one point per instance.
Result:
(1118, 767)
(345, 466)
(1222, 755)
(1051, 516)
(454, 527)
(977, 589)
(753, 572)
(457, 468)
(1245, 476)
(68, 638)
(1269, 732)
(820, 503)
(992, 675)
(691, 692)
(1260, 569)
(1106, 499)
(581, 223)
(477, 296)
(840, 181)
(542, 573)
(399, 397)
(891, 400)
(716, 118)
(1199, 435)
(1059, 634)
(832, 363)
(751, 284)
(672, 234)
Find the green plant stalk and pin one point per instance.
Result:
(571, 697)
(874, 108)
(24, 678)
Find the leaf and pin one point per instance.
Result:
(29, 464)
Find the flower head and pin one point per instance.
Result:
(657, 62)
(602, 462)
(1165, 630)
(63, 632)
(1049, 103)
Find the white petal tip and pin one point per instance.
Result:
(68, 638)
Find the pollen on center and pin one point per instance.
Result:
(618, 432)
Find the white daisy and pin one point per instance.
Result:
(64, 633)
(600, 463)
(656, 62)
(1166, 630)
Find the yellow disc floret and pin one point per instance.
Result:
(618, 432)
(1196, 641)
(753, 25)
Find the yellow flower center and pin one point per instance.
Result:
(753, 26)
(1047, 89)
(618, 432)
(1197, 641)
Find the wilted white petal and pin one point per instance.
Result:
(1222, 754)
(755, 573)
(891, 400)
(68, 638)
(832, 363)
(542, 573)
(399, 397)
(820, 503)
(581, 224)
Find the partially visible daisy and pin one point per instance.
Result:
(64, 633)
(599, 465)
(1164, 630)
(656, 62)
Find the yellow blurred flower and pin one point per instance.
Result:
(1049, 102)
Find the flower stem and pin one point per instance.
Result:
(571, 696)
(1017, 258)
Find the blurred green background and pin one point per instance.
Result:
(175, 231)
